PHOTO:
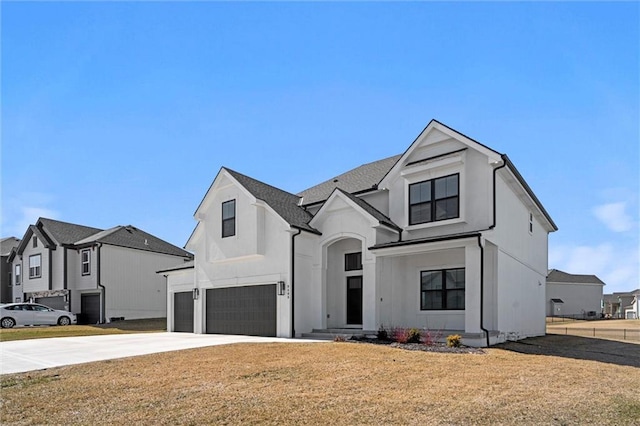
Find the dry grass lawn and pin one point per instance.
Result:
(327, 383)
(621, 330)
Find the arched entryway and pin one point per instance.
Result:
(344, 283)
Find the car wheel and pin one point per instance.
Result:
(64, 321)
(7, 323)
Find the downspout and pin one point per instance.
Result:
(486, 332)
(504, 164)
(293, 280)
(50, 268)
(64, 268)
(103, 304)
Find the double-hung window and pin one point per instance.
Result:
(86, 261)
(229, 218)
(435, 199)
(18, 275)
(442, 290)
(35, 266)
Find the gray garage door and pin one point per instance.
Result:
(55, 302)
(90, 308)
(183, 312)
(242, 310)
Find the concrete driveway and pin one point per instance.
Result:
(36, 354)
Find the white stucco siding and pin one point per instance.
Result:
(520, 302)
(475, 189)
(133, 289)
(308, 292)
(512, 226)
(399, 294)
(378, 199)
(579, 299)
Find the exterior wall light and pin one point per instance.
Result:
(281, 288)
(196, 293)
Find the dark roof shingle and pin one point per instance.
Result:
(556, 276)
(357, 180)
(284, 203)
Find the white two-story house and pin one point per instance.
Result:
(98, 274)
(446, 237)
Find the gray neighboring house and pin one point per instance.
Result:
(98, 274)
(618, 303)
(578, 296)
(6, 246)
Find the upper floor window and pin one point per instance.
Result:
(435, 199)
(353, 261)
(18, 275)
(86, 261)
(442, 290)
(35, 266)
(531, 223)
(229, 218)
(35, 242)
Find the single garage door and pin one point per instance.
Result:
(247, 310)
(54, 302)
(183, 312)
(90, 308)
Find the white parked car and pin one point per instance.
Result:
(33, 314)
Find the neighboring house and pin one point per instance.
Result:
(578, 296)
(633, 311)
(446, 236)
(616, 304)
(98, 274)
(6, 245)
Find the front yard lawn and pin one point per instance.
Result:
(326, 383)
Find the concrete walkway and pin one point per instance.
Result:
(36, 354)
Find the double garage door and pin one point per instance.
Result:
(247, 310)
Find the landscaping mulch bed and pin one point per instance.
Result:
(425, 347)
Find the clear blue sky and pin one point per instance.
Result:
(122, 113)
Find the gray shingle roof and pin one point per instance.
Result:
(360, 179)
(184, 265)
(380, 217)
(7, 244)
(556, 276)
(66, 233)
(132, 237)
(282, 202)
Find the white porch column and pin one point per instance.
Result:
(472, 288)
(369, 293)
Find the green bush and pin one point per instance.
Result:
(454, 340)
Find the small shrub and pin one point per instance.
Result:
(429, 337)
(454, 340)
(340, 338)
(413, 336)
(399, 334)
(382, 334)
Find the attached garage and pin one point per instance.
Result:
(247, 310)
(183, 312)
(90, 308)
(54, 302)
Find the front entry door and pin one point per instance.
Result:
(354, 300)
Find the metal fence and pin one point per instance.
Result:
(632, 334)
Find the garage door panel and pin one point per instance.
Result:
(249, 310)
(90, 308)
(183, 312)
(54, 302)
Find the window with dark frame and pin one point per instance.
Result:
(18, 274)
(442, 289)
(434, 200)
(35, 242)
(531, 223)
(229, 218)
(35, 266)
(353, 261)
(86, 261)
